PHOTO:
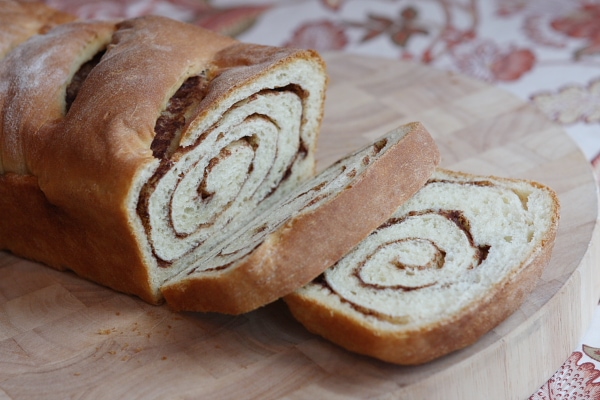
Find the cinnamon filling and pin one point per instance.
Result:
(473, 183)
(458, 218)
(400, 319)
(79, 77)
(172, 120)
(168, 129)
(455, 216)
(436, 263)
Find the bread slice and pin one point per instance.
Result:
(291, 242)
(452, 263)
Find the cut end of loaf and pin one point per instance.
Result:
(451, 264)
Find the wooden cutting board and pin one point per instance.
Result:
(63, 337)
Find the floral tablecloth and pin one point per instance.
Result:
(547, 52)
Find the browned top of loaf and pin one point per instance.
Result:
(19, 21)
(32, 95)
(113, 117)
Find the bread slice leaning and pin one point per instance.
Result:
(290, 243)
(452, 263)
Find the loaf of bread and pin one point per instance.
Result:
(128, 146)
(451, 264)
(168, 162)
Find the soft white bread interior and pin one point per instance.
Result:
(289, 243)
(451, 264)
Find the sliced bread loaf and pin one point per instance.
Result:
(451, 264)
(154, 157)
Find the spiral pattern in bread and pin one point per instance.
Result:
(290, 242)
(463, 248)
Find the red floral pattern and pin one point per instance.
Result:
(400, 29)
(571, 381)
(230, 21)
(319, 35)
(487, 61)
(583, 23)
(511, 65)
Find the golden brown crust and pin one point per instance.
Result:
(308, 244)
(425, 343)
(32, 227)
(34, 224)
(122, 97)
(22, 20)
(32, 97)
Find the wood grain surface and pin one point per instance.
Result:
(63, 337)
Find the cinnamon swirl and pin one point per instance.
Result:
(452, 263)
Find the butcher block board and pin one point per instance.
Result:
(63, 337)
